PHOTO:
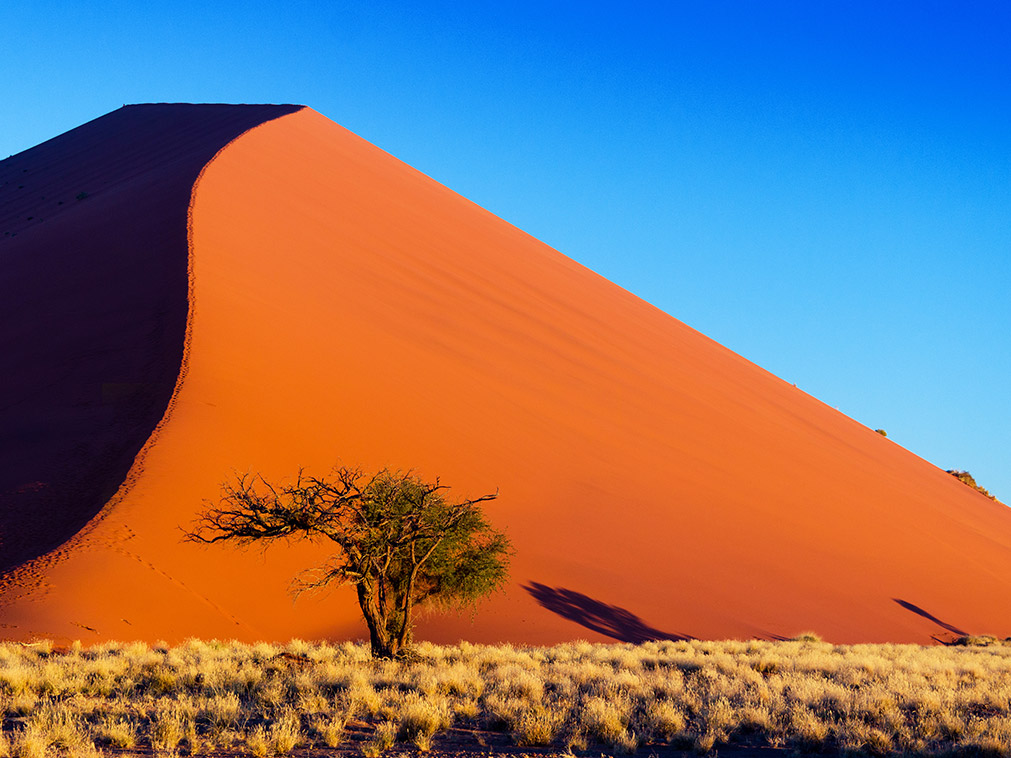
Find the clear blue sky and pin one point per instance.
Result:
(824, 187)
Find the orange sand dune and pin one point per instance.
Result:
(343, 307)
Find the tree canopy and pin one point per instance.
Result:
(401, 542)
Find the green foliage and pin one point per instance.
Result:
(400, 541)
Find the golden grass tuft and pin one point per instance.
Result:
(286, 733)
(382, 740)
(537, 725)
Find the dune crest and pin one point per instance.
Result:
(345, 308)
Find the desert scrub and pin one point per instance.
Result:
(271, 699)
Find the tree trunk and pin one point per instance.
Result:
(397, 631)
(385, 647)
(380, 640)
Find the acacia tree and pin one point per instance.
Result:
(400, 541)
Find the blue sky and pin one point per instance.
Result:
(825, 187)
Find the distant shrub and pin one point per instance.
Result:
(975, 640)
(807, 637)
(966, 478)
(82, 195)
(882, 432)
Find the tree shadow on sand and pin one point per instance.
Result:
(930, 617)
(610, 620)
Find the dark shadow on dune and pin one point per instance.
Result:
(610, 620)
(930, 617)
(93, 306)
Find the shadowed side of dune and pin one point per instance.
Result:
(93, 306)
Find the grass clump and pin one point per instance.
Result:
(538, 725)
(117, 733)
(286, 733)
(330, 730)
(257, 742)
(420, 718)
(382, 740)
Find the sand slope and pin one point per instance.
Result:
(345, 308)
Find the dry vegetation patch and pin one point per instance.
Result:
(205, 698)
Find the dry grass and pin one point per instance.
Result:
(264, 699)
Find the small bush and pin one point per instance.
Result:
(967, 479)
(807, 637)
(975, 640)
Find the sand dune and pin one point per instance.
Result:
(342, 307)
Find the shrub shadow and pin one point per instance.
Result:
(610, 620)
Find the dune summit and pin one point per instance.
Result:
(189, 291)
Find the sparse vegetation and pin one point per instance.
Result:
(401, 542)
(967, 479)
(263, 699)
(807, 637)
